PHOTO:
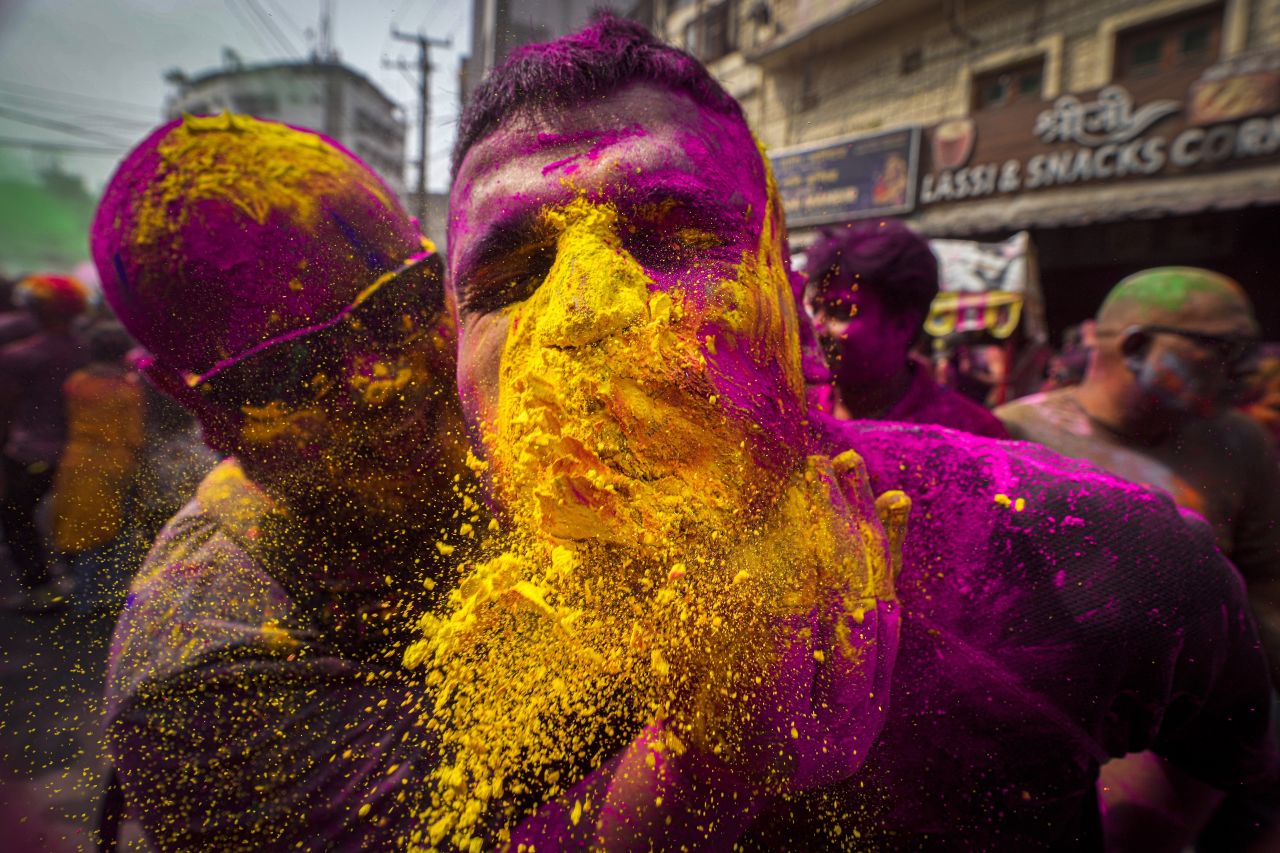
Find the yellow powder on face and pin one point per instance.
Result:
(653, 570)
(608, 421)
(363, 427)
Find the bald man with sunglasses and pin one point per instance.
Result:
(1154, 408)
(255, 698)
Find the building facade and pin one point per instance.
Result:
(1121, 134)
(325, 96)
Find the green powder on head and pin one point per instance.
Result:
(1164, 288)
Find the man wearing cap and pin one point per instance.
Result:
(254, 699)
(33, 424)
(1173, 345)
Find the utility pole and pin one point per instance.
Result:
(424, 43)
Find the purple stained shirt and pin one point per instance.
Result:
(238, 718)
(1052, 617)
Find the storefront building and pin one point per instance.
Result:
(1120, 134)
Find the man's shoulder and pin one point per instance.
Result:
(1048, 410)
(968, 415)
(897, 450)
(1240, 435)
(202, 591)
(968, 488)
(927, 402)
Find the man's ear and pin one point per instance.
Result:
(221, 429)
(1135, 343)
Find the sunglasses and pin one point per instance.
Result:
(1233, 349)
(300, 365)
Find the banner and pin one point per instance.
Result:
(989, 287)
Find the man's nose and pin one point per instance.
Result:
(594, 290)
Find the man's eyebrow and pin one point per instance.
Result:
(502, 237)
(700, 206)
(512, 231)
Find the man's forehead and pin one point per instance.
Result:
(545, 129)
(1222, 311)
(642, 137)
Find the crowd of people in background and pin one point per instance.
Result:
(95, 460)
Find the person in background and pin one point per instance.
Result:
(1154, 408)
(1172, 346)
(870, 288)
(33, 422)
(1067, 366)
(91, 491)
(15, 323)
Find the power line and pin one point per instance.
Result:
(463, 8)
(14, 85)
(284, 15)
(41, 145)
(45, 107)
(53, 124)
(250, 28)
(272, 29)
(424, 44)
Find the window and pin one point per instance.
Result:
(1005, 86)
(257, 104)
(1187, 41)
(710, 35)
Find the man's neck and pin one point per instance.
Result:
(1121, 413)
(874, 400)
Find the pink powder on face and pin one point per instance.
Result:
(602, 141)
(690, 149)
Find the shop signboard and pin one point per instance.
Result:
(849, 178)
(1193, 121)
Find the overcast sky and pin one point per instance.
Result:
(90, 73)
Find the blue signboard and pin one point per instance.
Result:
(850, 178)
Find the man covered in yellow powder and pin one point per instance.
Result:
(629, 366)
(684, 573)
(253, 700)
